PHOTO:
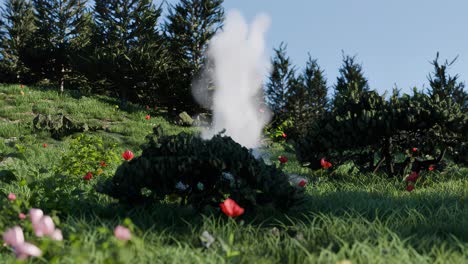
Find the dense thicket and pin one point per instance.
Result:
(372, 131)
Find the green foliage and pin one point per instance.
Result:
(128, 57)
(63, 31)
(85, 154)
(201, 172)
(307, 100)
(350, 81)
(366, 127)
(16, 30)
(189, 27)
(280, 82)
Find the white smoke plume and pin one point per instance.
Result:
(237, 54)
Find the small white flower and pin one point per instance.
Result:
(200, 186)
(181, 186)
(228, 176)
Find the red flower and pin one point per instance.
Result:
(88, 176)
(231, 208)
(302, 183)
(410, 188)
(102, 163)
(325, 164)
(414, 149)
(284, 135)
(283, 159)
(147, 117)
(44, 145)
(128, 155)
(431, 167)
(413, 177)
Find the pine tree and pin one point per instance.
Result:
(444, 86)
(351, 83)
(308, 99)
(189, 27)
(63, 30)
(16, 29)
(129, 54)
(280, 83)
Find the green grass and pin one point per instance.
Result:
(361, 218)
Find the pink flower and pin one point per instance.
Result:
(11, 196)
(25, 250)
(35, 215)
(431, 168)
(13, 236)
(22, 216)
(122, 233)
(284, 135)
(44, 227)
(57, 235)
(302, 183)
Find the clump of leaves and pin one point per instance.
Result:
(67, 190)
(200, 172)
(88, 153)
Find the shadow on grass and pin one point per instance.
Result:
(433, 218)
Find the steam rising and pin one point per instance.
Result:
(239, 64)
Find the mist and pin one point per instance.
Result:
(238, 64)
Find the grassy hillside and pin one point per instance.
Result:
(347, 216)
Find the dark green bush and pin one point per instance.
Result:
(200, 172)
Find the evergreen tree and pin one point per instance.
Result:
(351, 83)
(129, 54)
(16, 29)
(280, 84)
(308, 99)
(63, 30)
(444, 86)
(189, 27)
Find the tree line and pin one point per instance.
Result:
(127, 49)
(121, 48)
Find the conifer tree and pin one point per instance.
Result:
(280, 84)
(128, 54)
(63, 30)
(444, 86)
(16, 29)
(189, 27)
(351, 83)
(308, 99)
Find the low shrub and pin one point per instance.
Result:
(199, 172)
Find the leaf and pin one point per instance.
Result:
(7, 176)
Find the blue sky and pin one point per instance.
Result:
(394, 39)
